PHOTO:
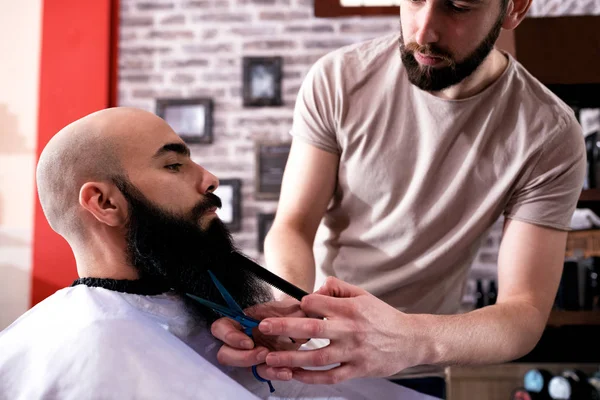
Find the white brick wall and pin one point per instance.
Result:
(180, 48)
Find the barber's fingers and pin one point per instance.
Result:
(274, 374)
(282, 308)
(329, 377)
(326, 356)
(241, 358)
(335, 287)
(277, 343)
(230, 332)
(317, 305)
(304, 328)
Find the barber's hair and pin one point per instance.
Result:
(63, 168)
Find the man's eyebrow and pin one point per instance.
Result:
(471, 2)
(178, 148)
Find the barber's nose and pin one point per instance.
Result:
(428, 22)
(208, 183)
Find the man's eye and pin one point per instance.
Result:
(457, 8)
(174, 167)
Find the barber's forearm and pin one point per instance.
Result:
(290, 255)
(490, 335)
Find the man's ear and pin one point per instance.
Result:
(105, 202)
(516, 11)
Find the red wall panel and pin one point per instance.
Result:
(77, 77)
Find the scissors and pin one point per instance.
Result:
(235, 312)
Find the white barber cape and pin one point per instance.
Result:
(93, 343)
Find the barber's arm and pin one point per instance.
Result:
(370, 338)
(307, 187)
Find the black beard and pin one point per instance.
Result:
(436, 79)
(175, 251)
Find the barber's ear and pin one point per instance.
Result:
(516, 11)
(105, 202)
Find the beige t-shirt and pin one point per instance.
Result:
(421, 179)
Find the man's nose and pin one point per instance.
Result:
(207, 182)
(428, 21)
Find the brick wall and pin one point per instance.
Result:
(180, 48)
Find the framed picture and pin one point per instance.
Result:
(190, 118)
(264, 224)
(262, 81)
(271, 158)
(346, 8)
(230, 212)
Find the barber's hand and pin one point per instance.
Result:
(239, 350)
(368, 337)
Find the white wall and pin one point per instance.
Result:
(20, 30)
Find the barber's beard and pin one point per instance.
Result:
(434, 79)
(175, 251)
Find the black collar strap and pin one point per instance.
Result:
(146, 287)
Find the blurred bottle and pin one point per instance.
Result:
(594, 381)
(560, 388)
(571, 385)
(523, 394)
(537, 381)
(479, 295)
(592, 286)
(568, 290)
(492, 293)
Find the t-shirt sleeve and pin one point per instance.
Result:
(315, 109)
(549, 195)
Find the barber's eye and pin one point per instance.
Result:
(174, 167)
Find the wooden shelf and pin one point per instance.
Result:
(583, 243)
(590, 195)
(562, 318)
(496, 382)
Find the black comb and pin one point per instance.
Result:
(267, 276)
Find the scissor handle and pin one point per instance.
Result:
(261, 379)
(248, 331)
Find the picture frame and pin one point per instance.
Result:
(336, 8)
(270, 160)
(265, 221)
(229, 191)
(191, 119)
(262, 81)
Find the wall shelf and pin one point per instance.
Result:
(563, 318)
(583, 243)
(496, 382)
(590, 195)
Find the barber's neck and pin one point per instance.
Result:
(104, 257)
(488, 72)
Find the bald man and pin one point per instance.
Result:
(139, 215)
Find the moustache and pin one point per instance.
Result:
(430, 51)
(210, 200)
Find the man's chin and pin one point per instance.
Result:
(208, 219)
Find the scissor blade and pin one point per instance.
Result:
(216, 307)
(226, 296)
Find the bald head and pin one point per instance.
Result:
(89, 149)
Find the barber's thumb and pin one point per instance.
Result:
(335, 287)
